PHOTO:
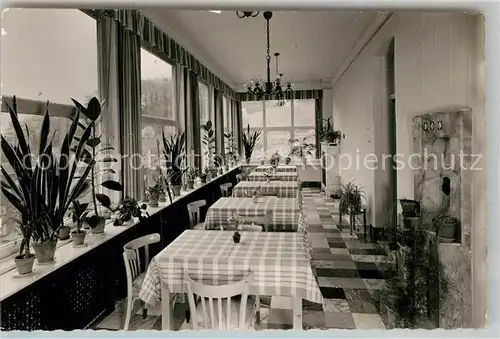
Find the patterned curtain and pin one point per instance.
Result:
(195, 116)
(239, 126)
(130, 117)
(219, 122)
(146, 30)
(318, 110)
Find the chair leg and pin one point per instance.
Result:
(129, 313)
(257, 305)
(145, 311)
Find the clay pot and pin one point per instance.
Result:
(176, 189)
(153, 201)
(78, 238)
(162, 197)
(447, 231)
(99, 229)
(24, 265)
(45, 251)
(64, 233)
(190, 185)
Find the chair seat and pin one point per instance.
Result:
(199, 226)
(253, 228)
(235, 307)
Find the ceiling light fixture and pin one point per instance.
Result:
(247, 14)
(259, 88)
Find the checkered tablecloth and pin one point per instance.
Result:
(284, 189)
(280, 176)
(284, 168)
(287, 213)
(279, 261)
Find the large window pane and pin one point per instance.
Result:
(278, 116)
(49, 54)
(259, 151)
(252, 113)
(156, 86)
(204, 117)
(304, 113)
(278, 141)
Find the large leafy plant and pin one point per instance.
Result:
(351, 200)
(101, 154)
(328, 134)
(301, 148)
(231, 149)
(43, 189)
(174, 152)
(209, 139)
(250, 138)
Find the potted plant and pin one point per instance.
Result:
(351, 199)
(100, 153)
(328, 134)
(173, 150)
(288, 160)
(301, 148)
(128, 210)
(410, 208)
(154, 194)
(24, 261)
(192, 173)
(78, 214)
(275, 159)
(231, 151)
(203, 176)
(43, 190)
(249, 140)
(445, 227)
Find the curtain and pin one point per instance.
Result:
(130, 117)
(108, 93)
(239, 126)
(318, 110)
(195, 118)
(219, 122)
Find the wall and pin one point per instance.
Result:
(438, 62)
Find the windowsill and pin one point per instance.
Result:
(311, 162)
(10, 280)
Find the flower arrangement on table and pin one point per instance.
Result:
(255, 194)
(275, 160)
(235, 221)
(269, 174)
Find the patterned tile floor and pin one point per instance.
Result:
(347, 267)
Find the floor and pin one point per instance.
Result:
(348, 269)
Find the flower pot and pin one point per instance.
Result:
(86, 225)
(448, 230)
(78, 237)
(162, 197)
(190, 185)
(44, 251)
(203, 178)
(99, 228)
(221, 171)
(247, 161)
(176, 189)
(236, 237)
(226, 168)
(64, 233)
(153, 201)
(411, 208)
(411, 222)
(24, 265)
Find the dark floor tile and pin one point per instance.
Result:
(367, 251)
(357, 294)
(332, 272)
(336, 244)
(371, 274)
(310, 306)
(333, 292)
(366, 265)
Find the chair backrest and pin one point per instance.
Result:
(132, 258)
(262, 220)
(239, 177)
(194, 211)
(224, 189)
(217, 318)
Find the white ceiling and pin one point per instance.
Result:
(314, 45)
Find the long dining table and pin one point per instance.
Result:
(279, 260)
(283, 189)
(280, 176)
(281, 168)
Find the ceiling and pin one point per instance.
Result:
(313, 45)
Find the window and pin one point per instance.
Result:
(280, 124)
(228, 121)
(157, 93)
(43, 61)
(205, 115)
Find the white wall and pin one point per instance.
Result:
(434, 68)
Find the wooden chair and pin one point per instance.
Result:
(194, 214)
(225, 189)
(134, 271)
(224, 310)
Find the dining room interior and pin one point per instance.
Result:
(225, 169)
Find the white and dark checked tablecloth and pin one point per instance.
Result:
(283, 168)
(279, 261)
(280, 176)
(284, 189)
(287, 213)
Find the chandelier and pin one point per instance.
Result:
(272, 88)
(247, 14)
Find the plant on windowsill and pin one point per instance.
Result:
(249, 140)
(174, 152)
(153, 193)
(217, 161)
(128, 210)
(43, 190)
(301, 149)
(78, 214)
(328, 134)
(95, 150)
(231, 155)
(25, 260)
(191, 175)
(351, 200)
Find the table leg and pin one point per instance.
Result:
(297, 313)
(166, 310)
